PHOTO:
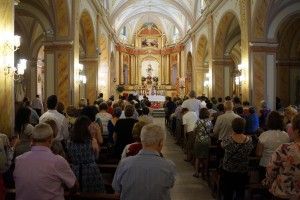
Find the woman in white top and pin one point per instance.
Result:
(270, 140)
(24, 130)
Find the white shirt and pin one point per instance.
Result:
(61, 122)
(37, 104)
(271, 140)
(193, 105)
(223, 127)
(189, 119)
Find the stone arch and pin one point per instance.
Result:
(86, 24)
(227, 56)
(259, 20)
(62, 18)
(189, 73)
(282, 17)
(288, 60)
(88, 56)
(103, 65)
(201, 65)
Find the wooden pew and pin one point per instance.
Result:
(11, 195)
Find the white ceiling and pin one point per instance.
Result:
(164, 13)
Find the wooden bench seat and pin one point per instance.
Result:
(11, 195)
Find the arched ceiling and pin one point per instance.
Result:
(166, 14)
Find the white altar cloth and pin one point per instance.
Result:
(154, 98)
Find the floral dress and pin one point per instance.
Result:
(202, 140)
(83, 164)
(283, 172)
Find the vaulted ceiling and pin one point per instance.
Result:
(166, 14)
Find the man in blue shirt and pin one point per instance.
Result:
(146, 176)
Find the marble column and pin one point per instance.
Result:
(167, 70)
(7, 104)
(245, 10)
(91, 72)
(59, 70)
(263, 76)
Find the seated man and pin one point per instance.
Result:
(39, 174)
(146, 175)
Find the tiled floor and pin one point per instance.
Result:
(186, 187)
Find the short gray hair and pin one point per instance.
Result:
(152, 134)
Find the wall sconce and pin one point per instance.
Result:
(16, 72)
(9, 41)
(82, 76)
(238, 75)
(207, 80)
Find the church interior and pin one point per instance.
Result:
(77, 49)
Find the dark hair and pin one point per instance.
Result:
(80, 130)
(22, 118)
(146, 111)
(100, 95)
(90, 112)
(236, 100)
(220, 107)
(220, 100)
(275, 121)
(52, 102)
(37, 96)
(227, 98)
(129, 110)
(60, 108)
(209, 105)
(252, 110)
(296, 122)
(204, 114)
(184, 110)
(239, 110)
(117, 112)
(103, 106)
(238, 125)
(246, 103)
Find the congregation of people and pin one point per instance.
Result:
(59, 151)
(223, 139)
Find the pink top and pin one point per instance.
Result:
(39, 174)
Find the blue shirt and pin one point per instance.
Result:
(252, 124)
(146, 176)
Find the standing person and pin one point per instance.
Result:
(263, 114)
(112, 123)
(39, 174)
(123, 130)
(104, 117)
(252, 122)
(37, 105)
(170, 107)
(34, 117)
(223, 128)
(146, 175)
(189, 119)
(192, 104)
(283, 172)
(202, 130)
(61, 120)
(289, 113)
(270, 140)
(24, 129)
(238, 147)
(82, 157)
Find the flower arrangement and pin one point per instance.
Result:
(120, 88)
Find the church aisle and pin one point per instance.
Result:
(186, 186)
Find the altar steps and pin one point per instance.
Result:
(158, 113)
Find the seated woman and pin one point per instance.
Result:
(202, 130)
(283, 171)
(133, 148)
(82, 157)
(270, 140)
(236, 159)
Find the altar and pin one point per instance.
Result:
(154, 98)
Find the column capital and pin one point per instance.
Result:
(58, 45)
(263, 47)
(222, 61)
